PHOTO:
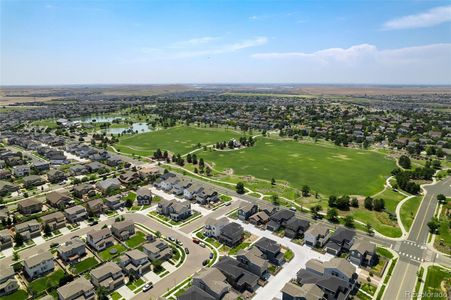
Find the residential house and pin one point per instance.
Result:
(78, 170)
(6, 240)
(213, 227)
(72, 250)
(114, 202)
(143, 196)
(5, 174)
(231, 234)
(179, 187)
(134, 262)
(21, 171)
(253, 261)
(29, 206)
(58, 199)
(8, 282)
(239, 278)
(108, 275)
(194, 292)
(206, 195)
(341, 240)
(363, 253)
(317, 235)
(100, 239)
(76, 213)
(259, 218)
(95, 207)
(271, 250)
(96, 167)
(78, 289)
(157, 249)
(41, 166)
(28, 230)
(113, 161)
(176, 210)
(308, 291)
(296, 227)
(190, 192)
(32, 181)
(212, 282)
(39, 264)
(279, 219)
(123, 230)
(246, 210)
(130, 177)
(54, 220)
(83, 189)
(108, 185)
(7, 188)
(56, 176)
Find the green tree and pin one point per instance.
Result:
(332, 215)
(369, 228)
(379, 204)
(275, 199)
(208, 171)
(368, 203)
(354, 202)
(16, 256)
(434, 225)
(47, 230)
(349, 221)
(315, 211)
(404, 161)
(240, 188)
(332, 201)
(441, 198)
(18, 238)
(273, 181)
(305, 190)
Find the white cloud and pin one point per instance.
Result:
(254, 18)
(196, 41)
(429, 18)
(197, 48)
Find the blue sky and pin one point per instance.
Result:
(89, 42)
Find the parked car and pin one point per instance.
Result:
(228, 203)
(147, 287)
(211, 255)
(293, 208)
(171, 239)
(93, 223)
(205, 262)
(196, 241)
(179, 243)
(202, 245)
(186, 250)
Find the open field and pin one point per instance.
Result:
(391, 199)
(181, 140)
(409, 210)
(327, 169)
(434, 278)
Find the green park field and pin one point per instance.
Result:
(327, 169)
(182, 139)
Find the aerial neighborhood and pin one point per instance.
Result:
(215, 195)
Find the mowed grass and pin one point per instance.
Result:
(434, 278)
(327, 169)
(181, 139)
(391, 199)
(409, 210)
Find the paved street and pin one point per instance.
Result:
(413, 250)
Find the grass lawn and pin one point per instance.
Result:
(391, 199)
(181, 139)
(115, 295)
(156, 215)
(41, 284)
(106, 255)
(379, 220)
(86, 264)
(17, 295)
(135, 284)
(137, 239)
(409, 210)
(434, 278)
(288, 255)
(236, 249)
(369, 288)
(325, 168)
(384, 252)
(443, 239)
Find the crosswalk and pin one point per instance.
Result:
(412, 257)
(411, 243)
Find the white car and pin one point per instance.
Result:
(147, 287)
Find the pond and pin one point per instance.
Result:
(138, 126)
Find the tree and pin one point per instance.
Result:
(332, 215)
(368, 203)
(315, 211)
(157, 266)
(404, 161)
(208, 171)
(369, 228)
(188, 158)
(18, 238)
(16, 256)
(305, 191)
(240, 188)
(349, 221)
(129, 202)
(47, 230)
(158, 234)
(379, 204)
(434, 225)
(332, 201)
(343, 202)
(102, 293)
(273, 181)
(275, 199)
(441, 198)
(354, 202)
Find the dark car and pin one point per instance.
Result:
(205, 262)
(186, 250)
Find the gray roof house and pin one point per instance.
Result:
(123, 230)
(76, 213)
(231, 234)
(72, 250)
(143, 196)
(279, 219)
(362, 253)
(246, 210)
(55, 220)
(270, 250)
(29, 206)
(79, 289)
(100, 239)
(176, 210)
(58, 199)
(308, 291)
(157, 249)
(317, 235)
(341, 240)
(29, 230)
(239, 278)
(212, 281)
(39, 264)
(253, 261)
(108, 275)
(6, 240)
(296, 227)
(108, 185)
(134, 262)
(8, 282)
